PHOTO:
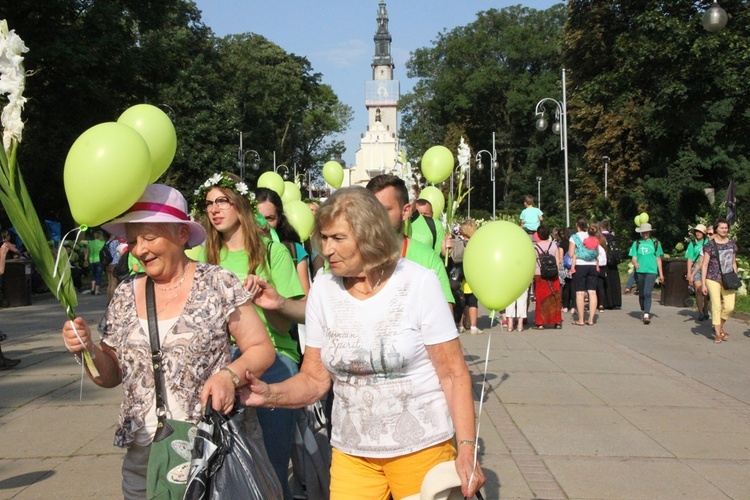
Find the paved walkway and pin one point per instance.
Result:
(617, 410)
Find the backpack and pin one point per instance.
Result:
(614, 256)
(105, 255)
(656, 245)
(582, 252)
(122, 268)
(430, 224)
(547, 264)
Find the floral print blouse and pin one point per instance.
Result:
(195, 348)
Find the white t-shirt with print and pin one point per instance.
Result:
(388, 399)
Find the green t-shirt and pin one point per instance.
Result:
(426, 257)
(284, 278)
(694, 249)
(645, 254)
(94, 247)
(421, 232)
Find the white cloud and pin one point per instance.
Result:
(345, 54)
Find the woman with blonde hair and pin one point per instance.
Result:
(234, 241)
(380, 330)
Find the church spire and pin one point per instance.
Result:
(382, 39)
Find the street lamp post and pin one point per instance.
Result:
(539, 191)
(241, 159)
(605, 159)
(493, 167)
(559, 127)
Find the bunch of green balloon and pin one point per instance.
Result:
(109, 166)
(333, 173)
(499, 264)
(300, 217)
(641, 219)
(272, 181)
(437, 164)
(291, 192)
(436, 199)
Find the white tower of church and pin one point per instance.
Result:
(378, 147)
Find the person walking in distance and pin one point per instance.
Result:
(646, 255)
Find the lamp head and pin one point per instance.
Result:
(556, 128)
(541, 123)
(715, 18)
(480, 165)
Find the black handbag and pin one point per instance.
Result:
(730, 281)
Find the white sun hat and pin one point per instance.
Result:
(159, 203)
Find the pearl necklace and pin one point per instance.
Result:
(382, 272)
(179, 283)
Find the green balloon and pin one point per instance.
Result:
(291, 192)
(436, 199)
(333, 173)
(272, 181)
(107, 169)
(300, 217)
(157, 130)
(437, 164)
(644, 218)
(637, 221)
(499, 264)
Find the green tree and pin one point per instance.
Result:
(664, 99)
(484, 77)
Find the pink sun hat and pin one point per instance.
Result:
(159, 203)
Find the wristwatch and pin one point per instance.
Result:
(235, 378)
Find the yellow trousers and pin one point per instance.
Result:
(379, 478)
(717, 294)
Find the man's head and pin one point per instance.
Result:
(424, 207)
(392, 193)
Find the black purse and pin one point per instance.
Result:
(730, 280)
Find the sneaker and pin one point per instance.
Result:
(86, 292)
(461, 329)
(476, 331)
(646, 319)
(627, 291)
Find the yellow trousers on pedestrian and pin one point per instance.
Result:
(379, 478)
(718, 295)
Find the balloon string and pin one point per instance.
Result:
(481, 397)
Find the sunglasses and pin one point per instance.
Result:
(710, 234)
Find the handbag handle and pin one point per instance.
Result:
(163, 429)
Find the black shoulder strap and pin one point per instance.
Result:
(163, 429)
(431, 224)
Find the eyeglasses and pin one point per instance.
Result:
(222, 203)
(710, 234)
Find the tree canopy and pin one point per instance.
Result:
(92, 59)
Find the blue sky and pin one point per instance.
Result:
(336, 36)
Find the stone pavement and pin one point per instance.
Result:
(617, 410)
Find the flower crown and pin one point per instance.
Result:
(222, 180)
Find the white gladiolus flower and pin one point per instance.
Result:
(463, 155)
(12, 83)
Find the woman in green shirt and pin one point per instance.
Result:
(693, 256)
(234, 241)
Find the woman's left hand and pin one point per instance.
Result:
(221, 389)
(465, 467)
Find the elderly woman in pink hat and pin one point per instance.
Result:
(197, 307)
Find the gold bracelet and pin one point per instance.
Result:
(466, 441)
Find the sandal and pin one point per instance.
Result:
(717, 340)
(558, 326)
(540, 327)
(579, 324)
